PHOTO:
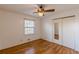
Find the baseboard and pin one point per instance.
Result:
(20, 44)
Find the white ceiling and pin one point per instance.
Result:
(30, 8)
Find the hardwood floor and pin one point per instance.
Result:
(39, 47)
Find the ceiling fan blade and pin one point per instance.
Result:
(50, 10)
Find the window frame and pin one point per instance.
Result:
(29, 27)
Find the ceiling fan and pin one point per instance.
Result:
(40, 10)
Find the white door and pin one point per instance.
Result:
(68, 32)
(58, 30)
(76, 29)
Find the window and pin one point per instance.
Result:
(29, 26)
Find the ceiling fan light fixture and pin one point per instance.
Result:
(40, 13)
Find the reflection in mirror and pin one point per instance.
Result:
(56, 31)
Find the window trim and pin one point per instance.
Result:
(29, 27)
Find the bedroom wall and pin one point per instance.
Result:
(12, 30)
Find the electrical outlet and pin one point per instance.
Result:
(28, 39)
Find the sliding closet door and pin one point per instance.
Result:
(68, 32)
(57, 33)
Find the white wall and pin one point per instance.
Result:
(47, 26)
(12, 30)
(47, 29)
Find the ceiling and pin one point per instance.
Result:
(30, 8)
